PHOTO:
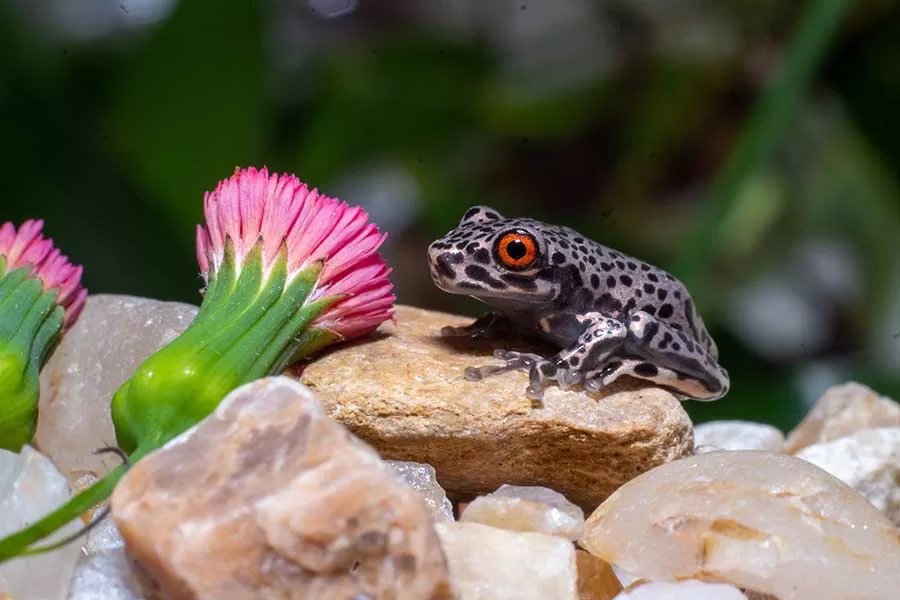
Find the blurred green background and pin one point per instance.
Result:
(751, 147)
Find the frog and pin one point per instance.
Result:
(605, 313)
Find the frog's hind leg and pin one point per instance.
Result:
(665, 347)
(676, 383)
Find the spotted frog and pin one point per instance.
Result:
(611, 314)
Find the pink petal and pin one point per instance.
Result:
(254, 204)
(29, 249)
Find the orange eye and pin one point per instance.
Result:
(517, 250)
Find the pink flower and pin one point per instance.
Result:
(28, 248)
(253, 205)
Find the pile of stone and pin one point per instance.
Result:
(380, 472)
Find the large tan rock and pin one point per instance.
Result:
(404, 392)
(268, 498)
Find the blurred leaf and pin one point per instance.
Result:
(505, 110)
(401, 96)
(816, 29)
(192, 105)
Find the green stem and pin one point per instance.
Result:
(770, 117)
(18, 543)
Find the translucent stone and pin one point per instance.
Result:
(738, 435)
(683, 590)
(105, 576)
(842, 410)
(423, 479)
(104, 571)
(762, 521)
(30, 487)
(868, 461)
(487, 563)
(111, 338)
(269, 498)
(527, 508)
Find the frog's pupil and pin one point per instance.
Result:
(516, 249)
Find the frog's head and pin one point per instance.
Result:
(494, 259)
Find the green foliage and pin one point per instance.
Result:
(187, 111)
(714, 165)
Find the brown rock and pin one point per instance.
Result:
(404, 393)
(596, 579)
(842, 410)
(267, 498)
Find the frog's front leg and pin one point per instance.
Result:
(601, 337)
(488, 327)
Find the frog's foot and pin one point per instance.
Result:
(539, 370)
(489, 327)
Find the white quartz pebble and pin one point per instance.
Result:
(768, 522)
(487, 563)
(739, 435)
(423, 479)
(868, 461)
(683, 590)
(527, 508)
(30, 487)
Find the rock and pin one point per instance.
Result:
(487, 563)
(768, 522)
(523, 508)
(842, 410)
(738, 435)
(627, 579)
(596, 579)
(30, 487)
(112, 337)
(269, 498)
(868, 461)
(423, 479)
(404, 392)
(683, 590)
(104, 571)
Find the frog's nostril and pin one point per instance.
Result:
(443, 264)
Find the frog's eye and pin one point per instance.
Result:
(517, 250)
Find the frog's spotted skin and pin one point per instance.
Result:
(611, 314)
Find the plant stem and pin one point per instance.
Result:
(818, 26)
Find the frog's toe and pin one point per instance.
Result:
(449, 331)
(535, 392)
(594, 385)
(479, 373)
(567, 378)
(525, 359)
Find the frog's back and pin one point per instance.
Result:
(618, 285)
